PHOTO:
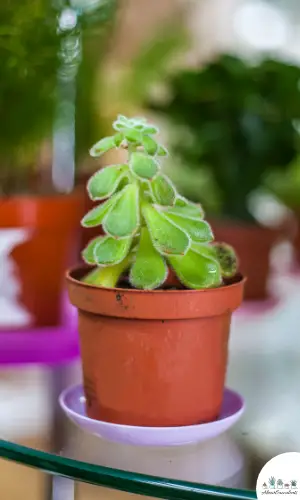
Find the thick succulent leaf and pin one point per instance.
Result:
(132, 135)
(110, 251)
(162, 151)
(198, 230)
(102, 146)
(88, 253)
(118, 138)
(205, 249)
(95, 216)
(227, 259)
(119, 125)
(151, 130)
(123, 119)
(167, 238)
(162, 190)
(187, 208)
(123, 219)
(197, 271)
(149, 270)
(150, 145)
(143, 166)
(105, 182)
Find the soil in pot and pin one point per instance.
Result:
(154, 358)
(34, 263)
(253, 245)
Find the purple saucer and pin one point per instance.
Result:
(72, 401)
(49, 345)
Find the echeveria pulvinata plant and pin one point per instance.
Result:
(148, 226)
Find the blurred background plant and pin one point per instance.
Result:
(37, 38)
(238, 120)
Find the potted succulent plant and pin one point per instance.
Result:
(239, 124)
(43, 49)
(155, 307)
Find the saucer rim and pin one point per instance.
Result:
(72, 413)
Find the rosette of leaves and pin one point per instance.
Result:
(148, 226)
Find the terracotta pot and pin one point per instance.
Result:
(253, 245)
(45, 239)
(153, 358)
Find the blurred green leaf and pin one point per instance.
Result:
(150, 145)
(102, 146)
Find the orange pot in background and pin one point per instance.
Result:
(253, 245)
(51, 239)
(153, 358)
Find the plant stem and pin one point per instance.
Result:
(107, 277)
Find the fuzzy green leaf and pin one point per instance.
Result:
(227, 259)
(105, 182)
(110, 251)
(207, 250)
(143, 166)
(199, 230)
(162, 151)
(150, 130)
(197, 271)
(150, 145)
(104, 145)
(122, 119)
(123, 219)
(95, 216)
(132, 135)
(118, 138)
(88, 253)
(119, 125)
(186, 208)
(162, 190)
(149, 270)
(167, 238)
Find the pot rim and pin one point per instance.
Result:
(68, 275)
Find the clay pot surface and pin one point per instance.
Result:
(153, 358)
